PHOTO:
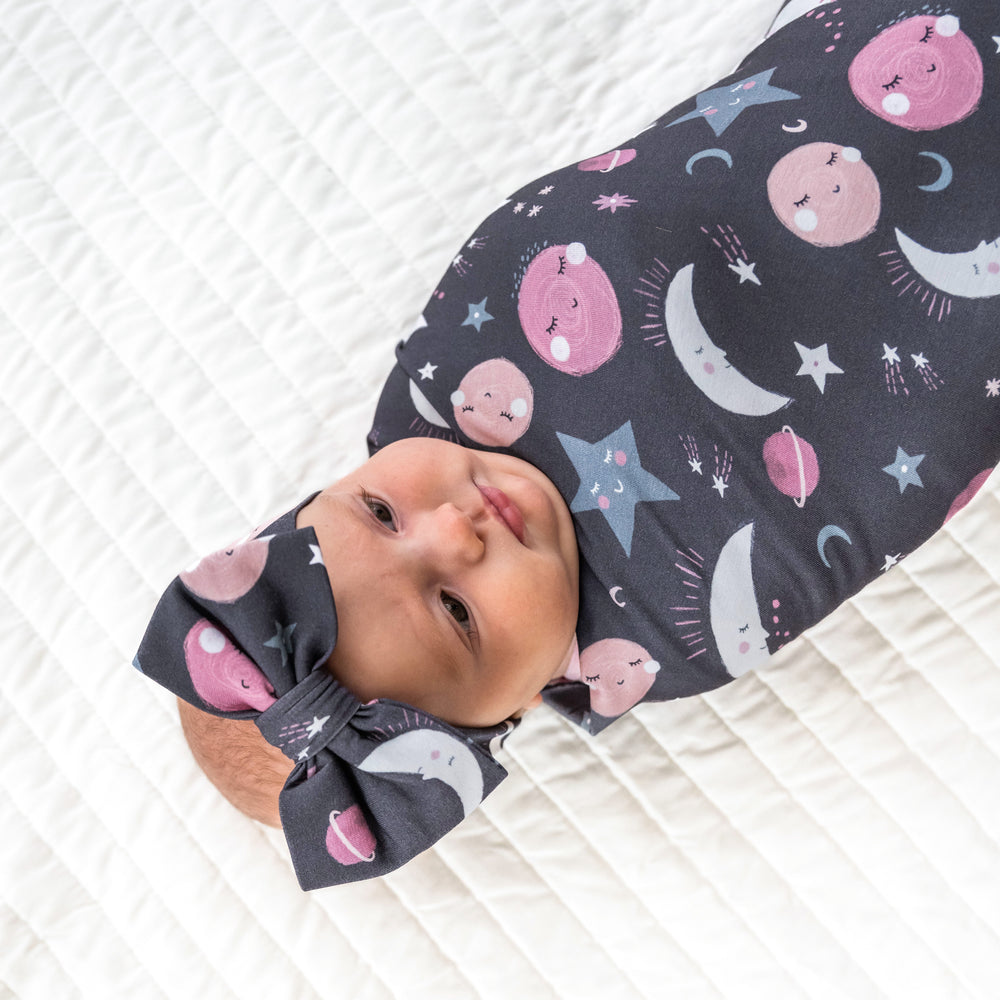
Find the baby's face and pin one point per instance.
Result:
(455, 575)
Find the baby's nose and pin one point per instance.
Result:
(452, 536)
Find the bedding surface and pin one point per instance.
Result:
(217, 218)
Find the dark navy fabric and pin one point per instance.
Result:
(755, 347)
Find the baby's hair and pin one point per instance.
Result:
(237, 760)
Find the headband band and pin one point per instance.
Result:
(245, 634)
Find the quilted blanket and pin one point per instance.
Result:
(217, 217)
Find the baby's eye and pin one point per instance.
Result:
(380, 511)
(562, 265)
(928, 31)
(592, 680)
(551, 327)
(457, 610)
(745, 628)
(801, 202)
(833, 159)
(893, 83)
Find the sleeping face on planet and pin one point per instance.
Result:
(406, 615)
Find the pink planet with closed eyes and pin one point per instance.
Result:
(825, 194)
(619, 674)
(568, 310)
(493, 403)
(224, 677)
(921, 73)
(228, 574)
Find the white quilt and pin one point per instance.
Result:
(216, 219)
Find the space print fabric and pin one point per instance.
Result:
(756, 347)
(246, 633)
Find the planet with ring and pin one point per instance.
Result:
(791, 464)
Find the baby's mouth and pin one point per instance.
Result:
(499, 504)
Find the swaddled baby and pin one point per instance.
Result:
(669, 407)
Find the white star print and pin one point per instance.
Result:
(890, 561)
(996, 38)
(534, 210)
(816, 363)
(919, 360)
(317, 559)
(993, 387)
(546, 190)
(695, 466)
(720, 485)
(745, 270)
(427, 371)
(303, 753)
(890, 354)
(519, 207)
(316, 727)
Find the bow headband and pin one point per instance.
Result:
(245, 634)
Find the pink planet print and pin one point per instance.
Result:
(224, 677)
(791, 465)
(967, 494)
(607, 162)
(619, 673)
(228, 574)
(348, 837)
(569, 311)
(825, 194)
(493, 403)
(922, 73)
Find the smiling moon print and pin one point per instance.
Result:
(825, 194)
(493, 403)
(704, 362)
(223, 676)
(431, 754)
(619, 674)
(921, 73)
(974, 274)
(228, 574)
(568, 310)
(736, 625)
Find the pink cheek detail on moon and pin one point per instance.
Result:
(603, 502)
(744, 647)
(435, 754)
(620, 457)
(709, 368)
(993, 267)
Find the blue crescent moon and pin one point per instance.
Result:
(946, 173)
(720, 154)
(825, 535)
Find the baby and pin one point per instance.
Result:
(727, 374)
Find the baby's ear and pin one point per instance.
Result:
(569, 669)
(534, 703)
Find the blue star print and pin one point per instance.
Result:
(904, 469)
(721, 106)
(612, 480)
(282, 641)
(477, 315)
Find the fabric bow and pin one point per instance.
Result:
(246, 634)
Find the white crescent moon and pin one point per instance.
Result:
(736, 624)
(423, 406)
(613, 594)
(944, 178)
(431, 754)
(704, 362)
(973, 274)
(800, 126)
